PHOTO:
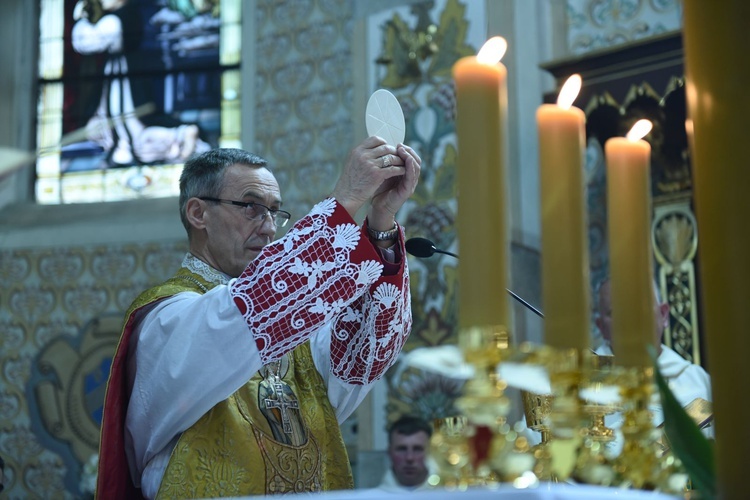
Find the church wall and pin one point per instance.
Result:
(597, 24)
(66, 277)
(303, 95)
(67, 273)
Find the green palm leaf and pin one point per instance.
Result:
(688, 442)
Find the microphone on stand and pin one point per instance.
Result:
(424, 248)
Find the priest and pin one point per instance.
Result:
(690, 383)
(232, 377)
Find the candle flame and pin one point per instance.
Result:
(569, 91)
(689, 127)
(639, 130)
(493, 50)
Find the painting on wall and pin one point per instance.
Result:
(414, 48)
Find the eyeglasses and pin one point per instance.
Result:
(255, 211)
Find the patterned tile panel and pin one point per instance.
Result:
(60, 316)
(598, 24)
(304, 92)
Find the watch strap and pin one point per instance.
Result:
(391, 234)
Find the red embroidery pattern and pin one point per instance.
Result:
(323, 270)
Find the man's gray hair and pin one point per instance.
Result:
(203, 175)
(606, 279)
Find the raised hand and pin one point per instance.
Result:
(394, 191)
(369, 166)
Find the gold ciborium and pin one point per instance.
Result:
(600, 396)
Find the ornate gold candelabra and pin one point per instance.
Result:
(638, 465)
(450, 449)
(479, 448)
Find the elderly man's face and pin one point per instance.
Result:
(408, 455)
(234, 240)
(604, 319)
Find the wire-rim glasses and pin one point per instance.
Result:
(255, 211)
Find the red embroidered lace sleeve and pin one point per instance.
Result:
(325, 270)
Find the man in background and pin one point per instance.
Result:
(689, 382)
(408, 445)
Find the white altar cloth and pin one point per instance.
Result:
(545, 491)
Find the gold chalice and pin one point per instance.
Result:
(600, 396)
(536, 408)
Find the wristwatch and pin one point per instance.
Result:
(391, 234)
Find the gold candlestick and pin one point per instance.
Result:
(598, 382)
(566, 417)
(537, 409)
(638, 464)
(484, 403)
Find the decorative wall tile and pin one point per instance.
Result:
(14, 267)
(85, 301)
(598, 24)
(31, 303)
(303, 94)
(61, 267)
(61, 312)
(113, 265)
(10, 405)
(45, 332)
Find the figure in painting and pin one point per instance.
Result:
(111, 36)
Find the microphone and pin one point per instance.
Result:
(424, 248)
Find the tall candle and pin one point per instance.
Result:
(482, 222)
(565, 264)
(716, 48)
(630, 254)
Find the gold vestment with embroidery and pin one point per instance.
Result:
(241, 447)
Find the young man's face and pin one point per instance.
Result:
(408, 455)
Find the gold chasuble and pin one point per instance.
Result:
(277, 434)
